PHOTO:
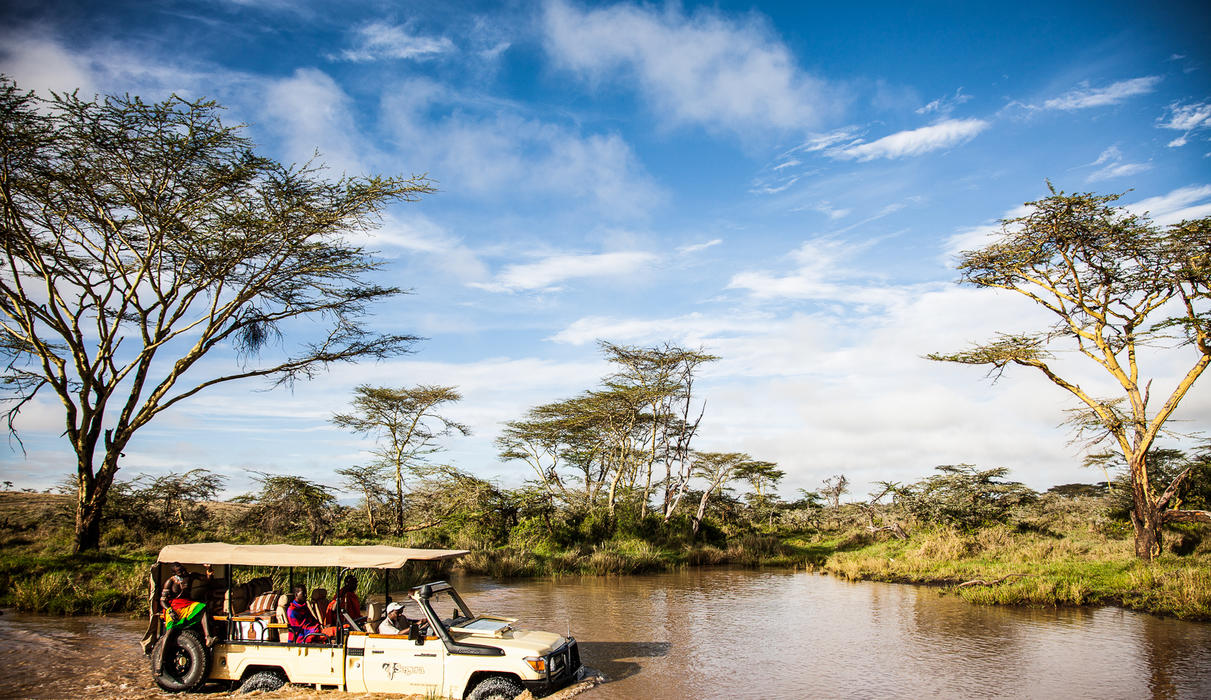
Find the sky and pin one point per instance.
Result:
(785, 185)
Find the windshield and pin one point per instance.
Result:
(450, 607)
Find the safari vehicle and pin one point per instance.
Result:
(463, 655)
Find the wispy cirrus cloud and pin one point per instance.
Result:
(1110, 165)
(944, 105)
(913, 142)
(1084, 96)
(696, 247)
(547, 274)
(702, 68)
(378, 41)
(1187, 118)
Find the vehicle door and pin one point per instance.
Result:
(395, 664)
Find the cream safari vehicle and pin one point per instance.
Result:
(462, 655)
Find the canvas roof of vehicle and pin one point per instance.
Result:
(349, 557)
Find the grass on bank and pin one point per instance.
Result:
(1038, 569)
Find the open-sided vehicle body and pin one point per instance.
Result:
(460, 655)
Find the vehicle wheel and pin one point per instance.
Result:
(496, 688)
(263, 680)
(186, 661)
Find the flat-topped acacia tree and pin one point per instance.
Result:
(138, 239)
(1116, 283)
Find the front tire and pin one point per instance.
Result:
(185, 661)
(496, 688)
(263, 680)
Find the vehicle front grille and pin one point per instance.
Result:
(564, 661)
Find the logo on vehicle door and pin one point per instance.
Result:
(392, 669)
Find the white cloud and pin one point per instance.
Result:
(688, 249)
(421, 235)
(1117, 170)
(38, 62)
(491, 148)
(378, 40)
(1188, 118)
(974, 237)
(1113, 166)
(830, 211)
(914, 142)
(1192, 202)
(546, 274)
(700, 69)
(310, 112)
(945, 105)
(1085, 97)
(820, 274)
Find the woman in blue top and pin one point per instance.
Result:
(301, 623)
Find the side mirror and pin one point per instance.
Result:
(414, 634)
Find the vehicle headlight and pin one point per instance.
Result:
(538, 663)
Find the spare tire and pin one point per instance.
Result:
(183, 659)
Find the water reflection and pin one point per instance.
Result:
(746, 634)
(737, 634)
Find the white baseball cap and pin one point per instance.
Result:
(394, 606)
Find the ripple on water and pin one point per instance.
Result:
(734, 634)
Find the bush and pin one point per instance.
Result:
(964, 496)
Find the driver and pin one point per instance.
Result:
(396, 621)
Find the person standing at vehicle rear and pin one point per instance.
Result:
(180, 610)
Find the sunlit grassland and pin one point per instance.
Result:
(1037, 569)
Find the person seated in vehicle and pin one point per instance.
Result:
(302, 626)
(349, 602)
(180, 610)
(396, 621)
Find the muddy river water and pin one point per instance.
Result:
(736, 634)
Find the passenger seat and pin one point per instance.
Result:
(371, 624)
(281, 621)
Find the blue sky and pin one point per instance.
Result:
(783, 184)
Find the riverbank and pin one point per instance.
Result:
(1069, 561)
(1001, 566)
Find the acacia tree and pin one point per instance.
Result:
(718, 469)
(368, 480)
(664, 375)
(407, 425)
(1116, 283)
(138, 239)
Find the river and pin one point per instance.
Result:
(721, 633)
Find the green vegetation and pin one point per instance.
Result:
(1116, 283)
(1070, 546)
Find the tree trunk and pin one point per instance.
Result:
(91, 494)
(1146, 517)
(88, 525)
(701, 511)
(399, 499)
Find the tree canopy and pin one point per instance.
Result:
(139, 238)
(1116, 283)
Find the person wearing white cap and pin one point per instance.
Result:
(396, 621)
